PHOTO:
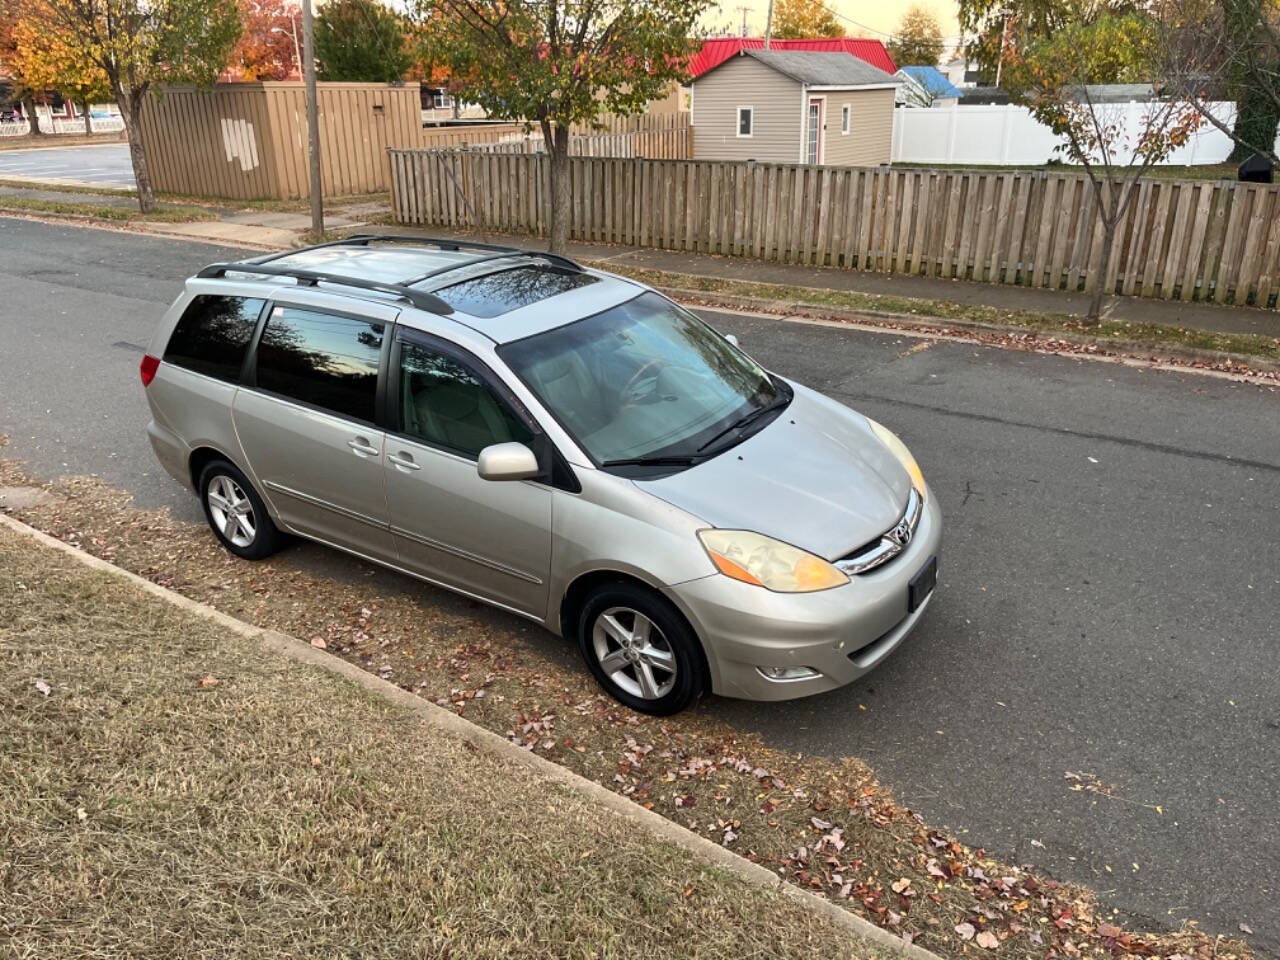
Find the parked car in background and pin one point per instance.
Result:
(560, 442)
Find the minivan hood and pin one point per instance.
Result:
(816, 477)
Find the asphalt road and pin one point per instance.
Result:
(1109, 596)
(105, 165)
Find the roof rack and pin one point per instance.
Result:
(310, 278)
(443, 243)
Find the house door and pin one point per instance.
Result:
(815, 130)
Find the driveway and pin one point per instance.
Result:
(105, 165)
(1096, 688)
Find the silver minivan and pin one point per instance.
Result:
(560, 442)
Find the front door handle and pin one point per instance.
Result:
(362, 447)
(403, 461)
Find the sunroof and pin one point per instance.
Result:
(494, 294)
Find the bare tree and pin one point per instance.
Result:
(1114, 148)
(1218, 49)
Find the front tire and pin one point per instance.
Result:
(640, 649)
(236, 513)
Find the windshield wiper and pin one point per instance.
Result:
(746, 420)
(675, 460)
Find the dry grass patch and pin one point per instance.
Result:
(170, 789)
(163, 212)
(825, 824)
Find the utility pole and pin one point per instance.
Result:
(745, 11)
(768, 25)
(1004, 40)
(313, 119)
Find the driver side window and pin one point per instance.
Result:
(445, 404)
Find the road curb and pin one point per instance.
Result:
(1142, 349)
(451, 724)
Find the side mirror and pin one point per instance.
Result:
(507, 461)
(731, 338)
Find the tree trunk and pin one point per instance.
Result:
(29, 111)
(88, 124)
(130, 104)
(1256, 122)
(557, 141)
(1094, 316)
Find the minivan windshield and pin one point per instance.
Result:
(646, 382)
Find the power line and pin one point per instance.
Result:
(858, 23)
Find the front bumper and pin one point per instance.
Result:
(842, 633)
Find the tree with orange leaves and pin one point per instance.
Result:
(51, 64)
(268, 47)
(1115, 150)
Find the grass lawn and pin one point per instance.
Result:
(169, 789)
(163, 212)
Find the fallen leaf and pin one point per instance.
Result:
(900, 885)
(965, 930)
(1245, 928)
(1109, 930)
(42, 687)
(319, 643)
(988, 940)
(209, 681)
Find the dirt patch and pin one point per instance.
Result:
(826, 825)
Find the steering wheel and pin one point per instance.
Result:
(628, 394)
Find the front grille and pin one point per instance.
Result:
(889, 544)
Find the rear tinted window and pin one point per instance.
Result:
(498, 293)
(213, 335)
(321, 359)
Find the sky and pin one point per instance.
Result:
(861, 18)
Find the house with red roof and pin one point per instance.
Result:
(794, 106)
(716, 50)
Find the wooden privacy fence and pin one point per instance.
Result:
(1180, 239)
(657, 136)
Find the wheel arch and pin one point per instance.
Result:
(201, 456)
(576, 593)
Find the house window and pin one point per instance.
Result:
(844, 119)
(746, 121)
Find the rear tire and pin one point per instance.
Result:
(640, 649)
(236, 513)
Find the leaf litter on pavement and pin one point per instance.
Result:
(826, 825)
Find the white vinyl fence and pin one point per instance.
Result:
(76, 124)
(999, 135)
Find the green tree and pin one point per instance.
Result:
(361, 41)
(556, 63)
(804, 18)
(136, 44)
(998, 28)
(1215, 50)
(918, 41)
(1114, 149)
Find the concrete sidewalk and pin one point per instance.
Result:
(271, 229)
(1201, 316)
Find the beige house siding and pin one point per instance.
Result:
(869, 141)
(778, 117)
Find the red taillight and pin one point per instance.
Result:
(148, 369)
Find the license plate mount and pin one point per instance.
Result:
(922, 584)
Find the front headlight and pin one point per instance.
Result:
(899, 450)
(765, 562)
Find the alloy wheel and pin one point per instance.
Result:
(633, 653)
(232, 511)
